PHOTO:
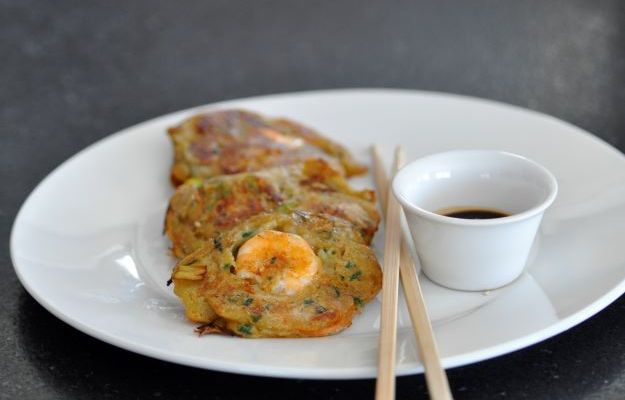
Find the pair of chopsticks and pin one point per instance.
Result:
(397, 260)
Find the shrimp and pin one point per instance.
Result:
(280, 262)
(300, 275)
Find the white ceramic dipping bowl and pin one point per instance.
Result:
(474, 254)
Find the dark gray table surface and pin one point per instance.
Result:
(72, 72)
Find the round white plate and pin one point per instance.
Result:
(87, 243)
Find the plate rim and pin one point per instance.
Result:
(364, 372)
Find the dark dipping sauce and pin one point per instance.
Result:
(474, 213)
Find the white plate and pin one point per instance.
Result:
(87, 243)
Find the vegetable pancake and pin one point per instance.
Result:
(285, 274)
(234, 141)
(201, 208)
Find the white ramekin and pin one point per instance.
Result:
(470, 254)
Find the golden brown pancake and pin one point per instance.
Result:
(199, 209)
(233, 141)
(285, 274)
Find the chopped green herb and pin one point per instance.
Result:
(217, 244)
(323, 254)
(247, 234)
(227, 266)
(350, 265)
(250, 182)
(358, 301)
(337, 292)
(197, 182)
(320, 309)
(245, 329)
(309, 301)
(355, 275)
(248, 301)
(256, 317)
(288, 206)
(273, 260)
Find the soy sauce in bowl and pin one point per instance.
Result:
(473, 213)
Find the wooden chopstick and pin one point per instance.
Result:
(435, 375)
(385, 385)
